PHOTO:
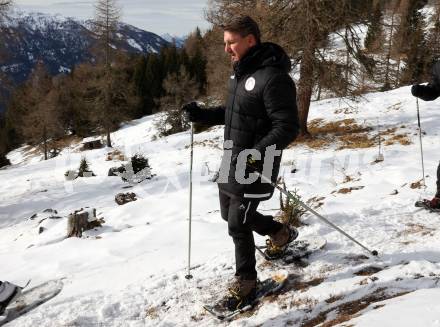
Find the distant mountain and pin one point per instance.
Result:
(177, 40)
(61, 43)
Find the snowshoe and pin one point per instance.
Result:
(296, 250)
(277, 244)
(265, 288)
(8, 293)
(30, 299)
(431, 205)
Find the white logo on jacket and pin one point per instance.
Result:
(250, 84)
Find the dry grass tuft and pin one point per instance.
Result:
(417, 229)
(357, 258)
(316, 202)
(347, 111)
(306, 302)
(339, 127)
(368, 271)
(347, 190)
(349, 310)
(294, 283)
(416, 185)
(403, 139)
(334, 298)
(348, 134)
(214, 143)
(346, 131)
(67, 141)
(152, 313)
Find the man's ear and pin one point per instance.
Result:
(251, 40)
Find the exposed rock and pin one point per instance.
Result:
(92, 145)
(123, 198)
(115, 171)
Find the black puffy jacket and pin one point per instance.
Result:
(260, 111)
(431, 91)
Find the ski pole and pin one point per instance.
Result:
(306, 207)
(188, 275)
(421, 144)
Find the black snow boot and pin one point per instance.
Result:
(434, 203)
(279, 242)
(241, 294)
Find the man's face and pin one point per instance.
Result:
(237, 46)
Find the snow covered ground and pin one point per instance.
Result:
(131, 271)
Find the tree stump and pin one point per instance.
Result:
(82, 220)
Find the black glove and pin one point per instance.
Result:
(417, 90)
(253, 164)
(193, 111)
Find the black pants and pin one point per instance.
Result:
(243, 219)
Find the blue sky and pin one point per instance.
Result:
(176, 17)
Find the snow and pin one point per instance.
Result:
(131, 271)
(151, 49)
(420, 308)
(134, 44)
(63, 69)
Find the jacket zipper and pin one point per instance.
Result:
(232, 106)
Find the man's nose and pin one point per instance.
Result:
(227, 48)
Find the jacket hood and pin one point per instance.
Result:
(263, 55)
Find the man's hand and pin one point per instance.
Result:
(417, 90)
(253, 164)
(193, 111)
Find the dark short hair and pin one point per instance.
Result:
(243, 25)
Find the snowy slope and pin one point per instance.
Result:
(131, 271)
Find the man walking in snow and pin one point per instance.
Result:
(430, 92)
(260, 119)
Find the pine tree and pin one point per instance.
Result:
(113, 97)
(392, 8)
(106, 20)
(218, 66)
(375, 37)
(180, 89)
(105, 23)
(433, 37)
(194, 47)
(411, 33)
(3, 142)
(140, 80)
(41, 123)
(82, 95)
(83, 167)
